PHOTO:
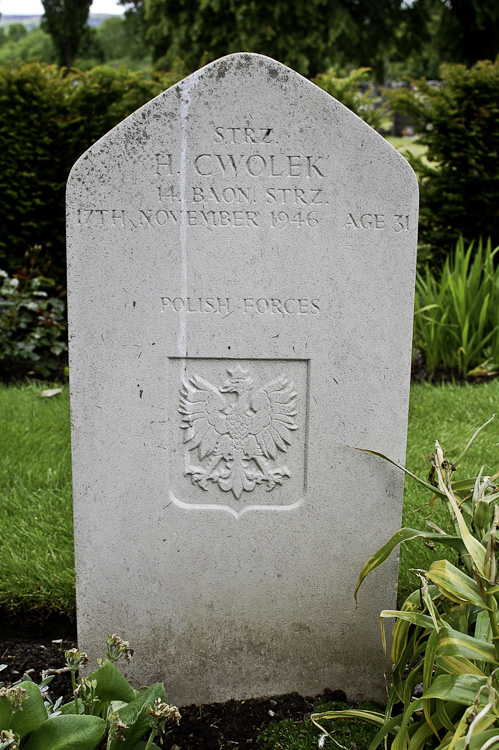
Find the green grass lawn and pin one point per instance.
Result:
(407, 146)
(36, 554)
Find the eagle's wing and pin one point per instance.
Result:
(275, 406)
(201, 406)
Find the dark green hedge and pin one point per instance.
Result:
(47, 120)
(458, 122)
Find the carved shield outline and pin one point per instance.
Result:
(238, 508)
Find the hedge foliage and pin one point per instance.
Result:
(459, 178)
(47, 120)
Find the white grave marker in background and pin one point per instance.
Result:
(241, 255)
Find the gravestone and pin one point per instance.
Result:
(241, 260)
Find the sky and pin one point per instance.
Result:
(35, 7)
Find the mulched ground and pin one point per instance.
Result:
(34, 646)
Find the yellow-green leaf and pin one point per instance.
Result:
(454, 643)
(456, 585)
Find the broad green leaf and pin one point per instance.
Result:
(454, 643)
(5, 713)
(32, 713)
(68, 733)
(456, 585)
(70, 708)
(111, 685)
(401, 536)
(462, 689)
(135, 717)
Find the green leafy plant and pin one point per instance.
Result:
(360, 99)
(444, 692)
(455, 323)
(32, 324)
(106, 709)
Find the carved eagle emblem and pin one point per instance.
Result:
(236, 431)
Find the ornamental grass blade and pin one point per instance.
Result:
(456, 665)
(430, 487)
(416, 618)
(454, 643)
(428, 663)
(402, 738)
(401, 536)
(472, 440)
(373, 717)
(456, 585)
(475, 549)
(488, 740)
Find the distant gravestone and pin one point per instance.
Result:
(241, 255)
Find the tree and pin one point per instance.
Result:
(469, 30)
(460, 31)
(309, 37)
(65, 21)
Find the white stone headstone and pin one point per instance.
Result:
(241, 255)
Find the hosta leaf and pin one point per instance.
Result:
(135, 717)
(32, 713)
(111, 685)
(68, 733)
(456, 585)
(5, 713)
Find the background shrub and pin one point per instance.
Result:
(32, 324)
(457, 122)
(361, 99)
(47, 120)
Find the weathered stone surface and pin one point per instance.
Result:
(241, 274)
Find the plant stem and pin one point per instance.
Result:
(73, 682)
(494, 625)
(151, 737)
